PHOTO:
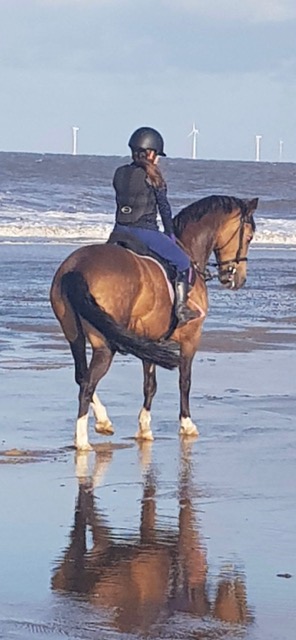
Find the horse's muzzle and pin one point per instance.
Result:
(231, 277)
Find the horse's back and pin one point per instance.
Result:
(91, 258)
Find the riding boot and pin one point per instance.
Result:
(183, 313)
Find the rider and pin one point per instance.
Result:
(141, 192)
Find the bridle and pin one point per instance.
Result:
(231, 265)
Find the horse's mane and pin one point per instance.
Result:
(210, 204)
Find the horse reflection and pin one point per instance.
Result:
(144, 581)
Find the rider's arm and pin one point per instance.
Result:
(165, 211)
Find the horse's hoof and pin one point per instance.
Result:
(104, 428)
(144, 435)
(188, 428)
(83, 447)
(193, 433)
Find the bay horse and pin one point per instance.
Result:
(120, 301)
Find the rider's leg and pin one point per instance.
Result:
(183, 313)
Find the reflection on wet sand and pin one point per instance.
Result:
(144, 582)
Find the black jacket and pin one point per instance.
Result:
(138, 201)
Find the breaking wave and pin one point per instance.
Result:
(56, 227)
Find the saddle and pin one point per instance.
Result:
(129, 241)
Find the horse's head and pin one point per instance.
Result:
(232, 245)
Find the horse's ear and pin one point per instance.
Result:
(252, 205)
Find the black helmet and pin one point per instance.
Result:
(147, 138)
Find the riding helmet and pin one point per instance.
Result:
(147, 138)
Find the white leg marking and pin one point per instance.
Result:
(81, 439)
(187, 427)
(144, 421)
(103, 424)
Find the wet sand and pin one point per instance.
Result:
(169, 540)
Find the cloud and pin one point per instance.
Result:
(112, 65)
(118, 36)
(248, 11)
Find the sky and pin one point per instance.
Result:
(110, 66)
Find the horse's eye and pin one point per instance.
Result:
(249, 238)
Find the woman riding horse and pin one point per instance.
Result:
(141, 192)
(120, 301)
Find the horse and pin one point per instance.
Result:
(120, 301)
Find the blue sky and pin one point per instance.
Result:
(109, 66)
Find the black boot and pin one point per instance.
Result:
(183, 313)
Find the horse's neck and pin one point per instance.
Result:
(199, 244)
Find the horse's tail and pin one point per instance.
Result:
(76, 289)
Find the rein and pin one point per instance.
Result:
(206, 275)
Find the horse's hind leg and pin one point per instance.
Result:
(73, 331)
(79, 357)
(144, 419)
(103, 424)
(98, 367)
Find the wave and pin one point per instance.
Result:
(275, 231)
(80, 228)
(55, 226)
(39, 232)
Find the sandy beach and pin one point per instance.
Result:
(169, 540)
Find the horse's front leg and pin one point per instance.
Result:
(99, 365)
(149, 388)
(187, 427)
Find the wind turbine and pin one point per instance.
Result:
(281, 150)
(194, 133)
(258, 141)
(74, 148)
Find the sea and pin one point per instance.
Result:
(223, 507)
(50, 204)
(64, 199)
